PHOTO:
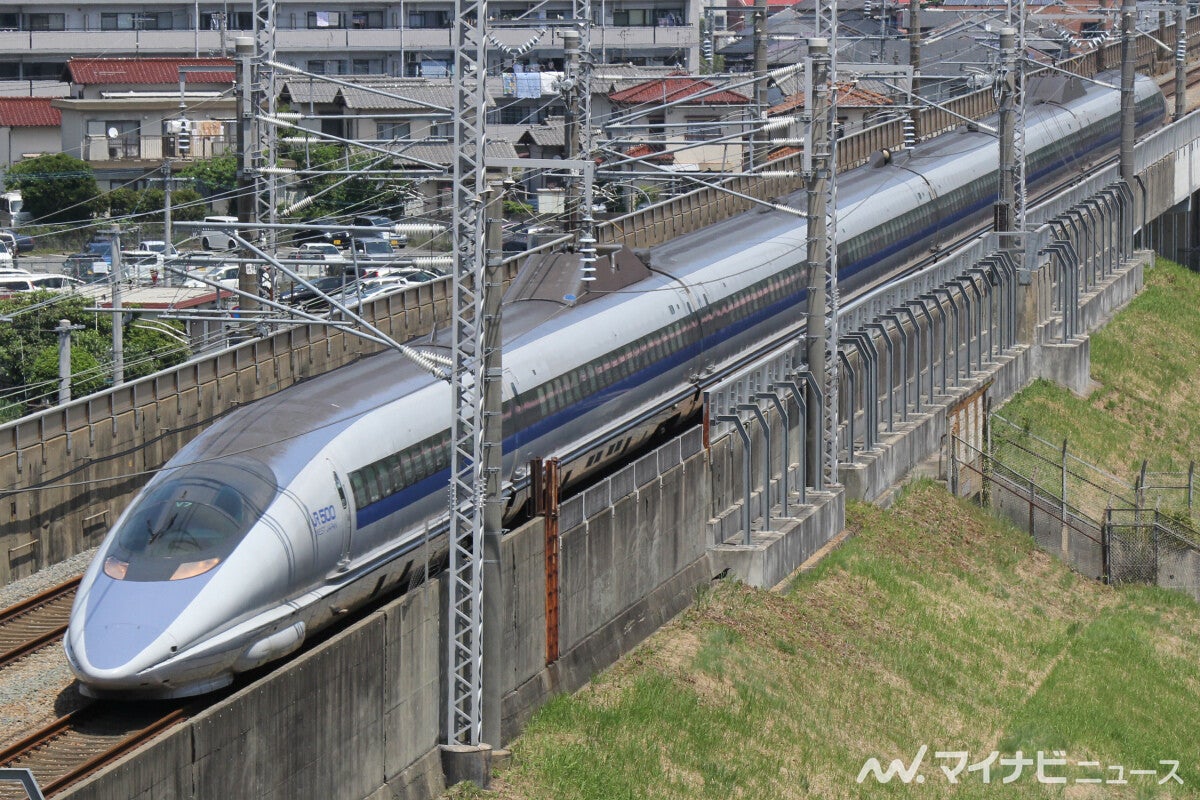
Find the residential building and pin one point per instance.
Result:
(29, 126)
(122, 115)
(698, 123)
(337, 36)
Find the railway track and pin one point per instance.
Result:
(35, 623)
(76, 745)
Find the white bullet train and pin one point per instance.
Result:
(286, 513)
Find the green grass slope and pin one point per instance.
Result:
(935, 625)
(1146, 364)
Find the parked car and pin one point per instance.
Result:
(409, 275)
(100, 246)
(6, 254)
(386, 228)
(338, 237)
(372, 250)
(142, 266)
(158, 246)
(223, 274)
(306, 299)
(86, 267)
(19, 242)
(218, 233)
(13, 284)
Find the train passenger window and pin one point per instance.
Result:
(371, 479)
(356, 486)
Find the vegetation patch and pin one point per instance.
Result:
(1146, 363)
(936, 625)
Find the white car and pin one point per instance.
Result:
(218, 233)
(319, 251)
(10, 284)
(223, 274)
(158, 246)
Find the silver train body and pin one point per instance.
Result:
(285, 513)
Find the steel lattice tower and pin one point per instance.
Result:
(1016, 19)
(465, 652)
(827, 28)
(263, 102)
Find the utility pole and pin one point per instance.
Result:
(758, 138)
(493, 509)
(1180, 58)
(64, 359)
(818, 145)
(570, 95)
(914, 63)
(1010, 82)
(1005, 211)
(247, 278)
(167, 232)
(1128, 53)
(115, 277)
(263, 99)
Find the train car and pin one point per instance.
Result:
(286, 513)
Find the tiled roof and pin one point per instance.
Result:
(678, 87)
(443, 153)
(648, 153)
(147, 71)
(29, 112)
(847, 97)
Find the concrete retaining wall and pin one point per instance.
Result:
(361, 715)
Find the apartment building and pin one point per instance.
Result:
(342, 37)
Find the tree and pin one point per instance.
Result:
(29, 349)
(55, 188)
(350, 188)
(187, 205)
(213, 175)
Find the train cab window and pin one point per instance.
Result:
(189, 520)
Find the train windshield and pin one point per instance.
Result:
(189, 521)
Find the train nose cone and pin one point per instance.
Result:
(126, 627)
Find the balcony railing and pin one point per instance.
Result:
(152, 148)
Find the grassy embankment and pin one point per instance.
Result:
(935, 625)
(1146, 402)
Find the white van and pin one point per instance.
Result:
(218, 233)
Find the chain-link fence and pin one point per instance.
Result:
(1146, 546)
(1033, 500)
(1171, 492)
(1100, 525)
(1074, 481)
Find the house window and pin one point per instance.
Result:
(647, 17)
(47, 22)
(325, 19)
(334, 126)
(428, 19)
(121, 136)
(392, 129)
(37, 70)
(366, 19)
(441, 130)
(364, 66)
(241, 21)
(9, 21)
(124, 21)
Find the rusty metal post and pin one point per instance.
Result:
(548, 503)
